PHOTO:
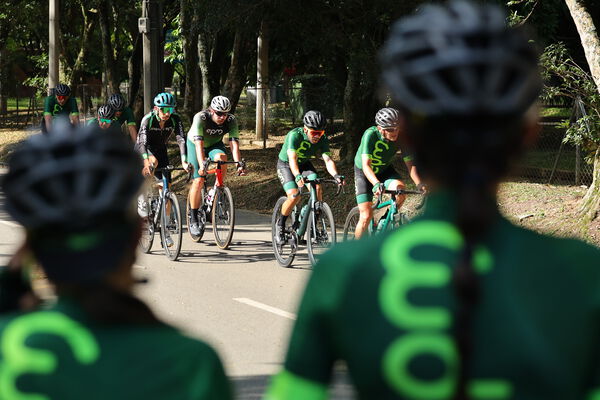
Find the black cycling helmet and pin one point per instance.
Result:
(387, 118)
(220, 103)
(116, 101)
(460, 59)
(314, 120)
(106, 111)
(71, 180)
(164, 100)
(62, 90)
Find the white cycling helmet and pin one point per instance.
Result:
(220, 103)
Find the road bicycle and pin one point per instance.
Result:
(216, 206)
(313, 219)
(163, 215)
(392, 218)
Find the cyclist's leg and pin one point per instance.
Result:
(392, 181)
(363, 189)
(197, 182)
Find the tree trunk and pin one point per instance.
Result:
(236, 76)
(134, 64)
(88, 25)
(189, 36)
(108, 59)
(591, 46)
(203, 63)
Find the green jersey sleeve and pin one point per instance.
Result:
(71, 106)
(196, 132)
(234, 131)
(127, 116)
(48, 105)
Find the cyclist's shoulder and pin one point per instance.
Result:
(231, 118)
(147, 118)
(372, 130)
(295, 132)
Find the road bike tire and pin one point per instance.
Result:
(324, 227)
(285, 253)
(201, 220)
(223, 217)
(171, 226)
(148, 228)
(350, 224)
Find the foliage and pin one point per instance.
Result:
(565, 78)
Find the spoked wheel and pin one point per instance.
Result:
(223, 217)
(285, 251)
(351, 223)
(201, 220)
(147, 214)
(320, 232)
(171, 227)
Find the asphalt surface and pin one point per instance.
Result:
(238, 300)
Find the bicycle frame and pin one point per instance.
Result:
(302, 220)
(393, 210)
(163, 193)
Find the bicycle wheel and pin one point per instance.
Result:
(170, 227)
(350, 224)
(148, 228)
(320, 232)
(286, 251)
(223, 217)
(201, 220)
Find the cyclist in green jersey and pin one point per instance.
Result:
(97, 341)
(205, 140)
(461, 303)
(104, 119)
(123, 114)
(60, 104)
(293, 164)
(373, 169)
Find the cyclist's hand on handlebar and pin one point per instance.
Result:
(186, 166)
(378, 188)
(147, 170)
(340, 179)
(422, 188)
(299, 180)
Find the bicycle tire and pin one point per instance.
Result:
(285, 253)
(325, 233)
(350, 224)
(223, 217)
(171, 226)
(148, 228)
(201, 217)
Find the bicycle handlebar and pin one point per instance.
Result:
(173, 168)
(240, 164)
(317, 181)
(395, 192)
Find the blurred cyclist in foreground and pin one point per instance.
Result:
(461, 303)
(74, 193)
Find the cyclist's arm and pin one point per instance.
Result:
(180, 138)
(196, 134)
(293, 161)
(235, 150)
(131, 125)
(142, 141)
(412, 170)
(74, 111)
(234, 138)
(330, 164)
(367, 170)
(132, 132)
(48, 112)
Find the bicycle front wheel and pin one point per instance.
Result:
(351, 224)
(223, 217)
(284, 251)
(145, 205)
(321, 232)
(171, 227)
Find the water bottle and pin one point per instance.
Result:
(380, 224)
(209, 197)
(303, 212)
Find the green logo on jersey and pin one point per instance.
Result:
(426, 326)
(19, 359)
(57, 108)
(301, 150)
(380, 147)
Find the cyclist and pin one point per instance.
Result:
(205, 140)
(460, 304)
(97, 341)
(156, 128)
(60, 104)
(104, 119)
(293, 163)
(123, 114)
(373, 169)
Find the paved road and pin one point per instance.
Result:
(239, 300)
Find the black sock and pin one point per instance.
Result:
(194, 216)
(282, 219)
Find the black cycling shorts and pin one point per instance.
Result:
(287, 179)
(364, 188)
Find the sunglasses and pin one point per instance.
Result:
(317, 133)
(61, 97)
(105, 121)
(221, 113)
(167, 110)
(390, 129)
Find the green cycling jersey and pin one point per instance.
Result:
(381, 151)
(59, 354)
(385, 306)
(52, 107)
(205, 129)
(298, 141)
(126, 116)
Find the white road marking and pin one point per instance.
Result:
(266, 307)
(11, 224)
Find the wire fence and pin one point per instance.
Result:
(550, 161)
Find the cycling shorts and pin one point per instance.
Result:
(287, 179)
(209, 153)
(364, 188)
